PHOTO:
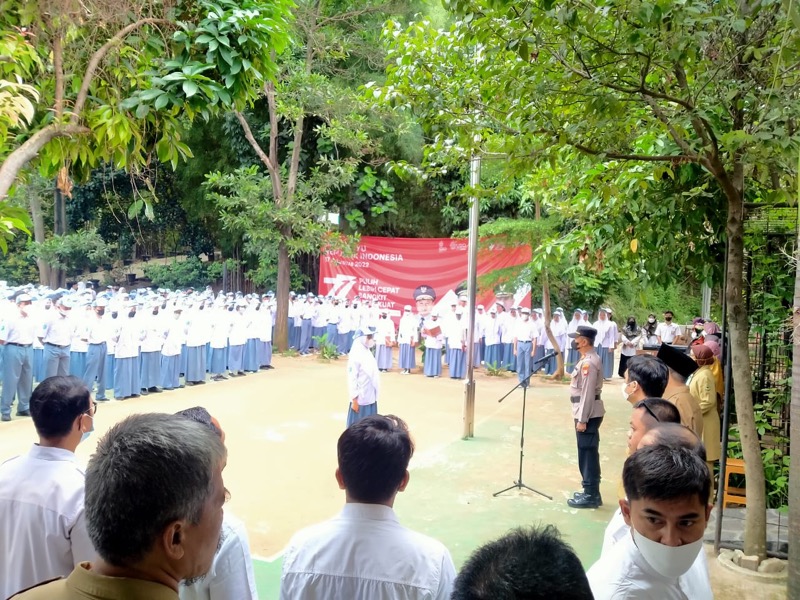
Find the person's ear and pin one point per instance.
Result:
(404, 482)
(709, 508)
(173, 540)
(339, 479)
(625, 507)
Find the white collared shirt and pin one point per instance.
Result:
(231, 574)
(42, 525)
(623, 573)
(365, 553)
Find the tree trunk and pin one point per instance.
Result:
(794, 441)
(282, 297)
(559, 372)
(38, 235)
(25, 153)
(755, 528)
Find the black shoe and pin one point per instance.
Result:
(134, 396)
(154, 390)
(270, 367)
(5, 418)
(579, 495)
(101, 399)
(585, 501)
(23, 413)
(144, 391)
(263, 368)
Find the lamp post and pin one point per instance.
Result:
(472, 291)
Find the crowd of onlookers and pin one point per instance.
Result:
(146, 518)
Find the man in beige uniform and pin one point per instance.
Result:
(681, 366)
(587, 411)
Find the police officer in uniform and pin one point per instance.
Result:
(587, 411)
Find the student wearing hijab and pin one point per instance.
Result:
(630, 336)
(702, 386)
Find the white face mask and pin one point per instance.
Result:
(625, 393)
(369, 343)
(669, 561)
(651, 320)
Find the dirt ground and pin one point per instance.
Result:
(281, 429)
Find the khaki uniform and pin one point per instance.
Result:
(586, 387)
(703, 387)
(587, 407)
(691, 414)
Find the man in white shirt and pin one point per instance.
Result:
(667, 509)
(17, 337)
(42, 525)
(57, 338)
(667, 331)
(525, 333)
(231, 576)
(365, 552)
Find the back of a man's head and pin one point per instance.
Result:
(651, 373)
(524, 564)
(149, 471)
(659, 410)
(55, 404)
(666, 473)
(675, 435)
(373, 458)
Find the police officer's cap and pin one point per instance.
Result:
(424, 292)
(678, 361)
(588, 332)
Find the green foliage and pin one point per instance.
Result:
(637, 299)
(133, 72)
(17, 267)
(327, 349)
(178, 274)
(496, 370)
(76, 253)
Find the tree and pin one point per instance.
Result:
(794, 465)
(649, 85)
(308, 99)
(115, 81)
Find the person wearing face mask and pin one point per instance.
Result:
(525, 332)
(96, 333)
(155, 331)
(57, 338)
(698, 331)
(493, 354)
(42, 524)
(171, 350)
(237, 338)
(385, 338)
(649, 337)
(667, 509)
(363, 377)
(645, 377)
(129, 336)
(17, 337)
(702, 385)
(434, 340)
(407, 338)
(630, 337)
(573, 355)
(667, 331)
(585, 391)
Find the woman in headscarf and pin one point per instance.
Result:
(649, 336)
(698, 331)
(703, 387)
(630, 336)
(712, 332)
(363, 377)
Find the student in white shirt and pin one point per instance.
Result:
(667, 509)
(667, 331)
(231, 576)
(42, 524)
(365, 552)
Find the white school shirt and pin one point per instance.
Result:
(231, 575)
(667, 332)
(20, 330)
(58, 329)
(42, 524)
(624, 574)
(365, 553)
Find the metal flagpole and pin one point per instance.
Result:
(472, 291)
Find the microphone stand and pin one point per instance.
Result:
(519, 484)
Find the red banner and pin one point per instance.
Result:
(389, 270)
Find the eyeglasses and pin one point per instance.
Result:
(92, 409)
(650, 412)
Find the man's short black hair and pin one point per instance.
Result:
(56, 403)
(527, 563)
(677, 436)
(666, 473)
(651, 373)
(373, 457)
(664, 411)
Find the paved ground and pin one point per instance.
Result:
(281, 431)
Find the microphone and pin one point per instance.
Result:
(545, 358)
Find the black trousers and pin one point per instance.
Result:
(589, 455)
(623, 364)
